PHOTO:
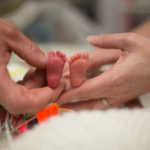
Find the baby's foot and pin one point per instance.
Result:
(78, 68)
(55, 66)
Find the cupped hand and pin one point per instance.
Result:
(128, 78)
(14, 97)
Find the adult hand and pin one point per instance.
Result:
(128, 78)
(14, 97)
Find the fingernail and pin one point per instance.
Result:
(92, 38)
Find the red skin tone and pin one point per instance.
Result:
(55, 66)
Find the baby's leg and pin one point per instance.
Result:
(78, 64)
(55, 66)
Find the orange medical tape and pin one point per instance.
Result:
(48, 112)
(43, 115)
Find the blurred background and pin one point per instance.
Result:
(71, 21)
(65, 24)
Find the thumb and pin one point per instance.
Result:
(70, 96)
(95, 88)
(43, 96)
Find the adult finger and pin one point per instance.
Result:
(102, 57)
(41, 97)
(28, 51)
(25, 100)
(22, 46)
(120, 41)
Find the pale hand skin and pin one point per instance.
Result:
(128, 78)
(16, 98)
(143, 29)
